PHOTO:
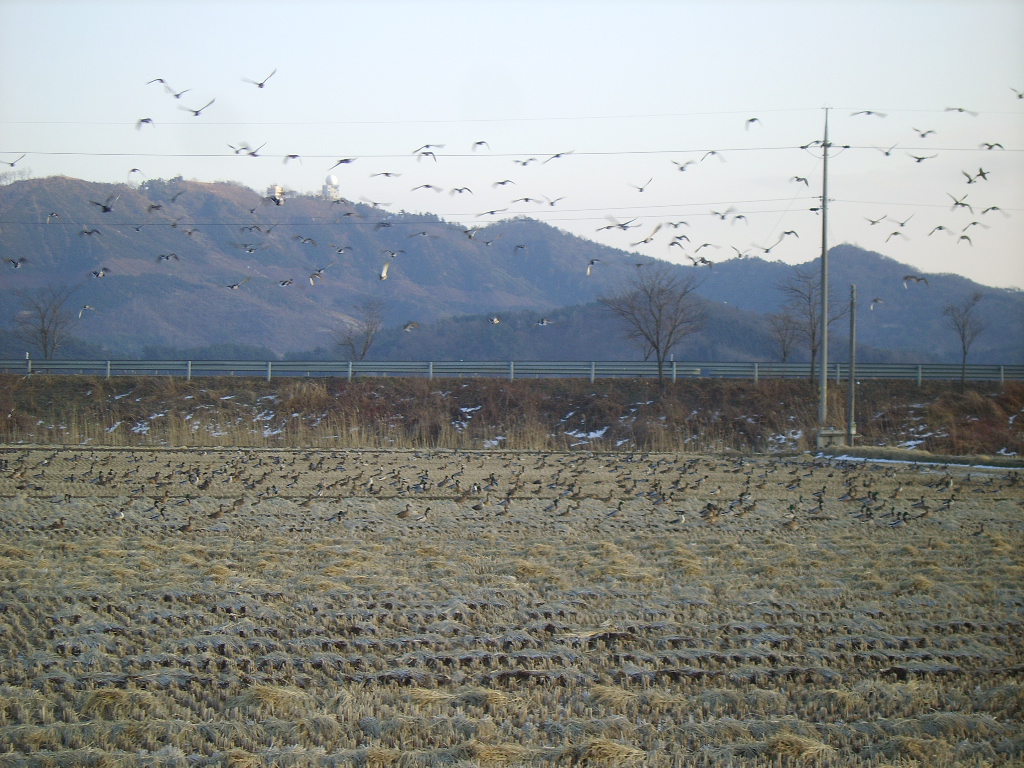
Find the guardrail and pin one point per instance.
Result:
(511, 369)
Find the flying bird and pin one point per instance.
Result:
(174, 93)
(143, 121)
(261, 83)
(16, 263)
(590, 265)
(236, 286)
(868, 112)
(914, 279)
(343, 161)
(801, 180)
(643, 186)
(83, 310)
(960, 203)
(920, 158)
(875, 301)
(557, 155)
(12, 164)
(544, 321)
(107, 205)
(101, 272)
(384, 270)
(412, 325)
(197, 112)
(623, 225)
(750, 122)
(922, 134)
(494, 320)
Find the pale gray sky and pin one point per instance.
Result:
(634, 90)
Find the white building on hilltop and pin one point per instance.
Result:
(331, 190)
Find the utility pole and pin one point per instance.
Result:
(851, 392)
(823, 385)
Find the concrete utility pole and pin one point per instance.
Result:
(823, 385)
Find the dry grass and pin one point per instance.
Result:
(408, 413)
(304, 618)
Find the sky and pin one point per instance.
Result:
(676, 129)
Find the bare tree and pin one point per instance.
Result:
(803, 300)
(964, 320)
(784, 329)
(45, 320)
(358, 337)
(659, 310)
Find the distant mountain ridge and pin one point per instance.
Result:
(170, 249)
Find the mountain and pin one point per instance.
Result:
(168, 250)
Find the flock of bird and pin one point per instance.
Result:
(256, 236)
(185, 492)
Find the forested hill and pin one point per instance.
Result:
(156, 270)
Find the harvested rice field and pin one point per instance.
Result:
(225, 607)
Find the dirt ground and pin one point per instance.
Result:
(316, 607)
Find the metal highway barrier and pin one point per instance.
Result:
(510, 369)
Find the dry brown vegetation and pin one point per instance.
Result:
(263, 607)
(696, 415)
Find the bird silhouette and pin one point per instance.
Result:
(107, 205)
(198, 112)
(260, 83)
(914, 279)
